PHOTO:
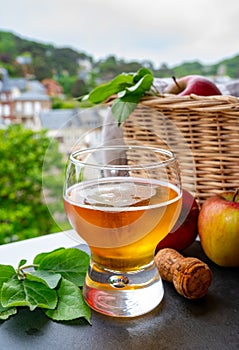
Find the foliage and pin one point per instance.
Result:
(22, 211)
(58, 103)
(49, 61)
(53, 285)
(79, 88)
(232, 66)
(67, 82)
(188, 68)
(8, 45)
(41, 69)
(164, 71)
(130, 88)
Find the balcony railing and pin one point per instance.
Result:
(12, 253)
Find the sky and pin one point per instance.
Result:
(169, 31)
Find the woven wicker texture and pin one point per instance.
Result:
(202, 131)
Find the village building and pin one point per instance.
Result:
(28, 102)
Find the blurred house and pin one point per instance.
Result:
(28, 102)
(6, 102)
(22, 100)
(27, 107)
(73, 128)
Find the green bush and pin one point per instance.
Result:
(23, 213)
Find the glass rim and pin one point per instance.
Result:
(151, 165)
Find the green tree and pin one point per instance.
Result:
(67, 83)
(41, 69)
(188, 68)
(79, 88)
(23, 213)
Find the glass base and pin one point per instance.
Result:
(123, 294)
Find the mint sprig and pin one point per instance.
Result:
(71, 304)
(52, 283)
(66, 262)
(129, 88)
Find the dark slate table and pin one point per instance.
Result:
(210, 323)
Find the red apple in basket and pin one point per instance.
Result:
(218, 228)
(184, 232)
(193, 84)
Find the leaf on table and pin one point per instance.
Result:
(71, 304)
(50, 279)
(6, 273)
(24, 292)
(6, 312)
(71, 263)
(22, 263)
(39, 257)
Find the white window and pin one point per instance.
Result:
(28, 108)
(6, 110)
(18, 107)
(37, 107)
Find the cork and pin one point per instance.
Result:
(191, 276)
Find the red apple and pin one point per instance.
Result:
(193, 84)
(218, 228)
(184, 232)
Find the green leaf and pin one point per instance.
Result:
(33, 294)
(130, 88)
(84, 102)
(5, 312)
(121, 110)
(138, 90)
(102, 92)
(50, 279)
(71, 263)
(45, 287)
(22, 262)
(71, 304)
(129, 98)
(6, 273)
(39, 257)
(141, 73)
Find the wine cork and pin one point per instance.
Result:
(191, 276)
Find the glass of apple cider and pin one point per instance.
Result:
(122, 200)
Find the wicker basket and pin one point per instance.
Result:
(202, 131)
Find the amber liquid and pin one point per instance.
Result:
(122, 219)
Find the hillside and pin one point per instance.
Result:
(41, 60)
(21, 56)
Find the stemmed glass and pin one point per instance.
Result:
(122, 200)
